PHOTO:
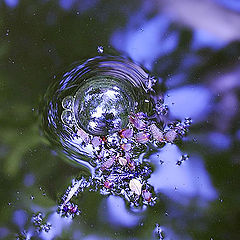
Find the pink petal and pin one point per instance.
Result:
(142, 137)
(126, 146)
(126, 133)
(96, 141)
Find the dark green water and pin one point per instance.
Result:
(198, 198)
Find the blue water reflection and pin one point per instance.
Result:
(66, 4)
(202, 39)
(118, 215)
(145, 40)
(20, 218)
(189, 101)
(181, 183)
(4, 232)
(218, 141)
(58, 226)
(29, 180)
(11, 3)
(231, 4)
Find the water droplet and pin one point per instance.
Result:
(194, 140)
(100, 49)
(11, 60)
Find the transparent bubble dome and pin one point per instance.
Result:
(96, 96)
(102, 106)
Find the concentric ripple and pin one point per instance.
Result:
(94, 98)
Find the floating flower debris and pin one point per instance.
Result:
(40, 223)
(158, 233)
(119, 170)
(23, 235)
(183, 158)
(104, 114)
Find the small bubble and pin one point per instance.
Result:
(67, 117)
(67, 102)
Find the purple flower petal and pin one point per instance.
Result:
(142, 137)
